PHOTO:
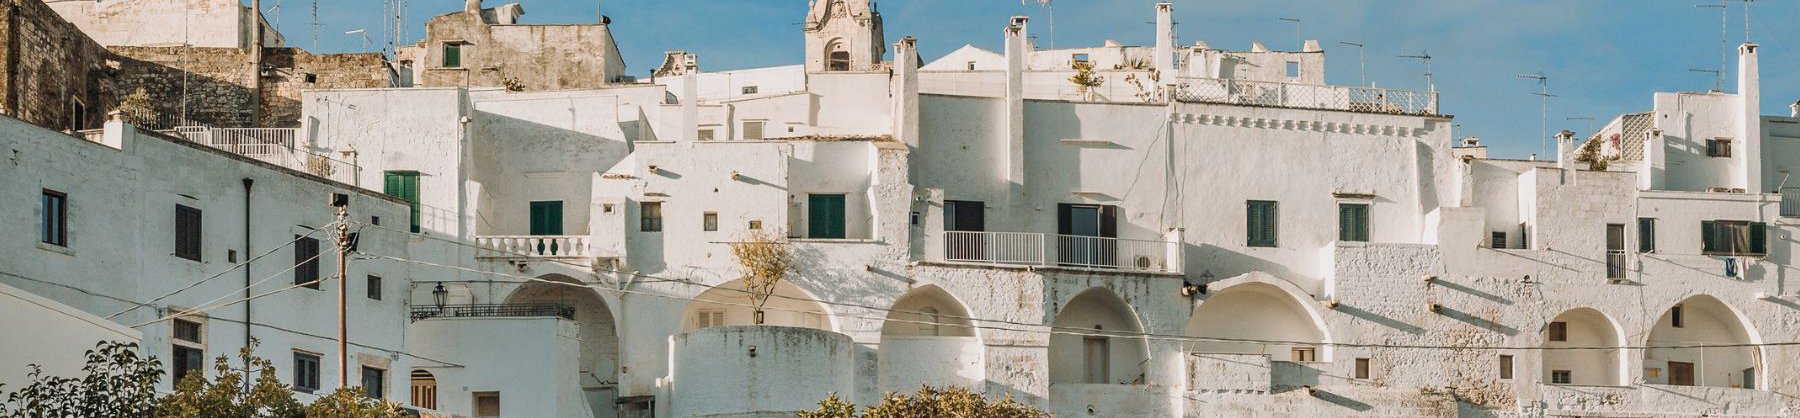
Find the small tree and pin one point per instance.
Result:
(929, 402)
(137, 107)
(1590, 153)
(350, 403)
(117, 383)
(766, 261)
(1084, 78)
(222, 397)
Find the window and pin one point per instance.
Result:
(1498, 240)
(1353, 222)
(1083, 233)
(1734, 238)
(1293, 69)
(547, 218)
(1305, 354)
(375, 287)
(1646, 235)
(1362, 368)
(753, 130)
(452, 55)
(188, 349)
(55, 218)
(1506, 366)
(374, 382)
(306, 261)
(424, 389)
(706, 135)
(1559, 331)
(487, 404)
(1262, 223)
(965, 215)
(1079, 58)
(650, 216)
(77, 114)
(1718, 147)
(1615, 251)
(709, 221)
(1095, 357)
(708, 318)
(404, 185)
(1561, 377)
(306, 372)
(311, 78)
(187, 232)
(971, 65)
(839, 59)
(755, 225)
(748, 90)
(375, 220)
(825, 216)
(1675, 319)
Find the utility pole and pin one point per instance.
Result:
(1363, 64)
(1424, 56)
(1544, 108)
(342, 202)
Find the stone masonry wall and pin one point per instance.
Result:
(216, 89)
(53, 72)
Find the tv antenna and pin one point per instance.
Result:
(1719, 74)
(365, 37)
(1297, 37)
(1360, 62)
(1424, 56)
(1589, 119)
(1747, 19)
(1543, 109)
(1718, 77)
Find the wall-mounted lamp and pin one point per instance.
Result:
(440, 295)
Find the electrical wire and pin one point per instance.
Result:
(222, 273)
(211, 305)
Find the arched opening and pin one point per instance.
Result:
(424, 390)
(1262, 319)
(1097, 341)
(729, 305)
(837, 58)
(928, 339)
(1582, 328)
(599, 349)
(1702, 320)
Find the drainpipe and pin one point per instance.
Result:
(247, 323)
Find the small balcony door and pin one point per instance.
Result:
(1084, 235)
(547, 219)
(1615, 251)
(965, 216)
(825, 216)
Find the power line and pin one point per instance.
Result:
(222, 273)
(203, 307)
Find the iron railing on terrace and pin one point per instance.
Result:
(1615, 264)
(1037, 249)
(271, 145)
(535, 246)
(1307, 96)
(1790, 202)
(508, 310)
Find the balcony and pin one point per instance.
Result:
(270, 145)
(1307, 96)
(535, 246)
(1051, 250)
(513, 310)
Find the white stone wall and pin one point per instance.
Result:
(205, 23)
(59, 333)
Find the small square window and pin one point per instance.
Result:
(755, 225)
(1718, 147)
(311, 78)
(375, 220)
(1561, 377)
(706, 135)
(753, 129)
(1559, 331)
(650, 217)
(186, 330)
(1362, 368)
(452, 55)
(1293, 69)
(1506, 366)
(1305, 354)
(709, 221)
(1497, 240)
(971, 65)
(749, 89)
(375, 287)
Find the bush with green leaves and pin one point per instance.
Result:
(928, 402)
(117, 383)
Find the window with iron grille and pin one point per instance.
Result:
(1497, 240)
(187, 232)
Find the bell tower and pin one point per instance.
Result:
(843, 35)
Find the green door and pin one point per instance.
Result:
(404, 185)
(546, 218)
(825, 216)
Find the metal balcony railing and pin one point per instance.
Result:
(511, 310)
(1307, 96)
(1037, 249)
(271, 145)
(535, 246)
(1615, 264)
(1790, 202)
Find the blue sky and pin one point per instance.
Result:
(1603, 57)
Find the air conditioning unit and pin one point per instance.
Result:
(1144, 262)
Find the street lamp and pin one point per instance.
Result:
(440, 295)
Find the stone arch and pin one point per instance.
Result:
(1586, 328)
(837, 55)
(599, 334)
(1284, 323)
(1097, 340)
(1704, 320)
(929, 339)
(729, 304)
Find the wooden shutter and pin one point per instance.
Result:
(1261, 223)
(1063, 224)
(546, 218)
(825, 216)
(1709, 240)
(1759, 238)
(1109, 221)
(1646, 235)
(306, 261)
(405, 186)
(187, 232)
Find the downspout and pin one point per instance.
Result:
(247, 323)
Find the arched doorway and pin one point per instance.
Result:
(1583, 328)
(1265, 320)
(729, 304)
(424, 390)
(599, 336)
(1703, 320)
(928, 339)
(837, 58)
(1097, 341)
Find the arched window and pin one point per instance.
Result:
(836, 57)
(424, 390)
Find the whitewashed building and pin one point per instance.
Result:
(1205, 232)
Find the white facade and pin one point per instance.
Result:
(198, 23)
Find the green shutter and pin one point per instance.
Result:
(405, 186)
(825, 216)
(1353, 222)
(547, 218)
(1261, 223)
(452, 55)
(1708, 237)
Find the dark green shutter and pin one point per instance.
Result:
(1709, 236)
(405, 186)
(1353, 222)
(452, 55)
(825, 216)
(547, 218)
(1759, 238)
(1261, 223)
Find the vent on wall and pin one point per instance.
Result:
(1498, 240)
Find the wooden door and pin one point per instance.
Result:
(1681, 374)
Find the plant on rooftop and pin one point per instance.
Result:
(1084, 78)
(928, 402)
(136, 108)
(766, 261)
(1590, 154)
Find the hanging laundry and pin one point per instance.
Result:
(1731, 267)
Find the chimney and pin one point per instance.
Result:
(906, 94)
(1165, 42)
(1747, 165)
(1794, 109)
(1016, 51)
(1564, 139)
(690, 97)
(472, 6)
